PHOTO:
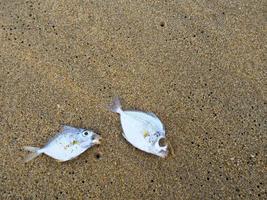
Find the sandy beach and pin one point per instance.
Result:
(199, 65)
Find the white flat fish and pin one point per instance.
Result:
(66, 145)
(143, 130)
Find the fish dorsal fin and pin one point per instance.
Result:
(152, 114)
(66, 129)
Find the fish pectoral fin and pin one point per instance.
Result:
(152, 114)
(146, 134)
(75, 142)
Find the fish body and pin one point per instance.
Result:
(66, 145)
(143, 130)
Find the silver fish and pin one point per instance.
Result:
(66, 145)
(143, 130)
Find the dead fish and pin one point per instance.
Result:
(66, 145)
(143, 130)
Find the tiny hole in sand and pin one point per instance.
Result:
(162, 24)
(97, 156)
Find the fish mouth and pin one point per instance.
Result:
(97, 139)
(163, 153)
(162, 147)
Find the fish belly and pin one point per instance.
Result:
(63, 152)
(134, 129)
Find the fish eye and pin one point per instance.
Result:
(85, 133)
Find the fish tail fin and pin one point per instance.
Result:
(34, 152)
(115, 106)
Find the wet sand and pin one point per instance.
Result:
(199, 65)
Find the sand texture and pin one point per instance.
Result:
(200, 65)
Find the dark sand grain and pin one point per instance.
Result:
(199, 65)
